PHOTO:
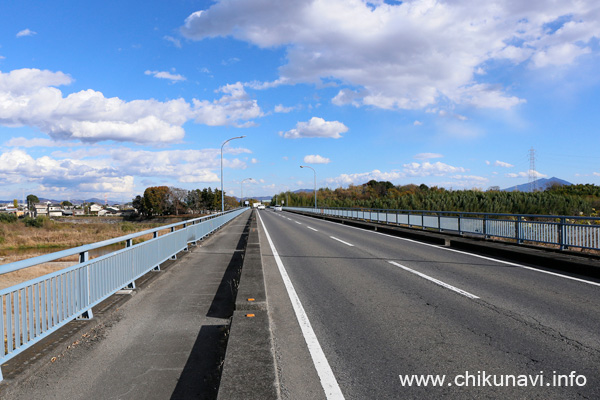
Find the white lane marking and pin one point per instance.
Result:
(341, 241)
(328, 381)
(473, 255)
(309, 227)
(299, 223)
(444, 284)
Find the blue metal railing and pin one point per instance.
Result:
(562, 231)
(34, 309)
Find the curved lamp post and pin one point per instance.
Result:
(222, 194)
(242, 189)
(306, 166)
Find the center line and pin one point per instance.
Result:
(312, 228)
(455, 289)
(339, 240)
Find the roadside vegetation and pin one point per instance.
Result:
(44, 233)
(573, 200)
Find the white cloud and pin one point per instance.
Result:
(26, 32)
(503, 164)
(417, 123)
(235, 106)
(166, 75)
(536, 174)
(281, 109)
(410, 54)
(108, 169)
(363, 177)
(428, 169)
(316, 127)
(487, 162)
(176, 42)
(29, 97)
(427, 156)
(254, 161)
(596, 174)
(409, 170)
(316, 159)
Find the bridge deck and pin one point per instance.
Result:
(166, 341)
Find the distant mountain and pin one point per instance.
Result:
(540, 184)
(304, 191)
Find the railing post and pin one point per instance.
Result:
(518, 230)
(409, 224)
(423, 220)
(85, 296)
(439, 222)
(561, 233)
(485, 219)
(459, 227)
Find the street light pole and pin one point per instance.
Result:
(306, 166)
(222, 194)
(242, 189)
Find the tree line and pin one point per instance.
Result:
(555, 200)
(164, 200)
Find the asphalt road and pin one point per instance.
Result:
(384, 308)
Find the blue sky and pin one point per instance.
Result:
(106, 98)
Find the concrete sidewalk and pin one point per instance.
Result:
(166, 342)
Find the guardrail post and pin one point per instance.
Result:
(485, 220)
(130, 285)
(423, 220)
(561, 234)
(518, 230)
(409, 224)
(439, 222)
(459, 227)
(85, 295)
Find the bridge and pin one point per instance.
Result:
(309, 305)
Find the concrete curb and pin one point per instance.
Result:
(249, 368)
(538, 257)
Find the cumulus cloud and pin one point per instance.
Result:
(427, 156)
(26, 32)
(316, 127)
(30, 97)
(503, 164)
(428, 169)
(281, 109)
(417, 123)
(316, 159)
(108, 169)
(232, 108)
(166, 75)
(409, 170)
(405, 55)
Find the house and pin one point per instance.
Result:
(78, 211)
(41, 210)
(95, 209)
(54, 210)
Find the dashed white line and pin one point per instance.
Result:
(473, 255)
(310, 227)
(299, 223)
(436, 281)
(341, 241)
(328, 381)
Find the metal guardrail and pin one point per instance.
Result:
(562, 231)
(34, 309)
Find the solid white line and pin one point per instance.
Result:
(473, 255)
(447, 286)
(312, 228)
(328, 381)
(339, 240)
